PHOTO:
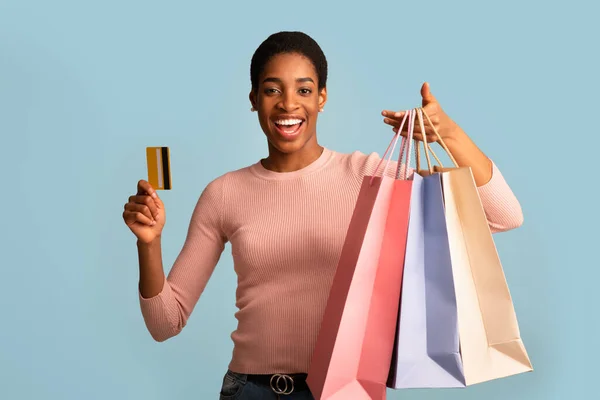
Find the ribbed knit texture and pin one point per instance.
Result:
(286, 232)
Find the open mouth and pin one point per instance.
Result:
(289, 127)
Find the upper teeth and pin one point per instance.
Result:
(288, 121)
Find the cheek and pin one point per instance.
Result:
(264, 121)
(313, 107)
(263, 118)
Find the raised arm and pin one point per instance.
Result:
(167, 302)
(502, 208)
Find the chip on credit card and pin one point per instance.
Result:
(159, 167)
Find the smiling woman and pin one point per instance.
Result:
(289, 77)
(287, 237)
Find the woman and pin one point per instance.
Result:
(286, 217)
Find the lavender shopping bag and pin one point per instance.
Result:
(426, 353)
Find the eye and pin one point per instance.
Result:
(305, 91)
(271, 90)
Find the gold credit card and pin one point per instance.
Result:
(159, 167)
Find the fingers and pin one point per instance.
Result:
(431, 110)
(143, 187)
(393, 118)
(146, 201)
(393, 114)
(131, 217)
(416, 128)
(418, 136)
(140, 208)
(393, 122)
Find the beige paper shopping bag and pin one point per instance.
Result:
(490, 340)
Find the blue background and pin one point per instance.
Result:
(86, 86)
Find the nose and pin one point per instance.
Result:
(288, 101)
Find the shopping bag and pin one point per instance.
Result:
(426, 354)
(352, 355)
(490, 340)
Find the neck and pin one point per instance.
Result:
(279, 161)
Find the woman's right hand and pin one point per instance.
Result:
(144, 214)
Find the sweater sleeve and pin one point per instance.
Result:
(167, 313)
(502, 209)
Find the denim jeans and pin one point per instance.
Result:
(237, 387)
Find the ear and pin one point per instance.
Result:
(322, 98)
(252, 97)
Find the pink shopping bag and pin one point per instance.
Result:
(352, 356)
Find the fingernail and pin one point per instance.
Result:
(153, 222)
(398, 114)
(154, 195)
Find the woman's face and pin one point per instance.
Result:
(288, 102)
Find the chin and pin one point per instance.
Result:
(287, 146)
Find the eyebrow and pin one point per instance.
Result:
(299, 80)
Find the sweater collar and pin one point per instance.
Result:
(259, 170)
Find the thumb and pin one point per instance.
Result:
(155, 198)
(426, 94)
(158, 201)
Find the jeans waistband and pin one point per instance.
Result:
(279, 383)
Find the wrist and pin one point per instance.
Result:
(450, 130)
(149, 244)
(455, 139)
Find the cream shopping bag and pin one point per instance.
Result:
(489, 336)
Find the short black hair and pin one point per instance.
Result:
(288, 42)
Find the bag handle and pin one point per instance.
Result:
(428, 148)
(407, 115)
(407, 141)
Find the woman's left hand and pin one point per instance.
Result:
(443, 124)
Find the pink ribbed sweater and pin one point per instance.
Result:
(286, 232)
